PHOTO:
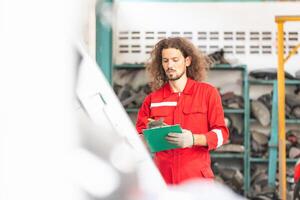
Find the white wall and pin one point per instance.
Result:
(251, 25)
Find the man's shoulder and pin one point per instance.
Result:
(204, 85)
(156, 93)
(205, 88)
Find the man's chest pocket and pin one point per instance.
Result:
(196, 117)
(165, 112)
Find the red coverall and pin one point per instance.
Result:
(297, 172)
(199, 109)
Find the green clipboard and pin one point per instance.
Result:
(155, 137)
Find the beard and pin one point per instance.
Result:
(174, 78)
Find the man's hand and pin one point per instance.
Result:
(156, 123)
(183, 140)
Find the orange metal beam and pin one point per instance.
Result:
(283, 19)
(292, 52)
(281, 113)
(280, 20)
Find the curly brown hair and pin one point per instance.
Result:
(197, 69)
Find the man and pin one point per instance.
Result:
(176, 67)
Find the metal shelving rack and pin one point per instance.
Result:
(246, 116)
(273, 160)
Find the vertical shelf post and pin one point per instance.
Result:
(104, 39)
(246, 132)
(273, 143)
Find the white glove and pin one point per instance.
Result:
(183, 140)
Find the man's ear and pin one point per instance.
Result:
(188, 61)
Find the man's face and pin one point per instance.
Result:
(174, 63)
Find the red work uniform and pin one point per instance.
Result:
(199, 109)
(297, 171)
